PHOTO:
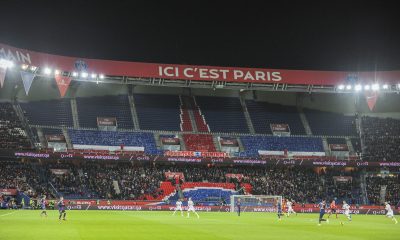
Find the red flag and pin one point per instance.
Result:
(371, 99)
(62, 83)
(2, 75)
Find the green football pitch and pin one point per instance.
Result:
(96, 225)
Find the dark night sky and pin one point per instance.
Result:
(301, 35)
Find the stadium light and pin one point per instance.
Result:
(74, 74)
(398, 85)
(101, 76)
(348, 87)
(56, 72)
(24, 66)
(84, 74)
(375, 87)
(385, 86)
(47, 71)
(33, 68)
(367, 87)
(341, 87)
(4, 63)
(358, 88)
(94, 75)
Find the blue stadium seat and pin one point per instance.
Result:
(252, 144)
(330, 124)
(106, 106)
(56, 112)
(158, 112)
(223, 114)
(111, 138)
(263, 114)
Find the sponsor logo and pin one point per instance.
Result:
(80, 65)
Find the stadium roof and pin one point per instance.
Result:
(339, 35)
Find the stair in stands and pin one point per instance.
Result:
(74, 110)
(246, 114)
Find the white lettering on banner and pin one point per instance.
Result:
(248, 76)
(237, 74)
(276, 76)
(214, 73)
(185, 72)
(15, 56)
(224, 73)
(203, 73)
(260, 75)
(218, 74)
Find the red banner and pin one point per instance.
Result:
(106, 121)
(338, 147)
(188, 72)
(371, 98)
(195, 154)
(173, 175)
(62, 83)
(8, 191)
(234, 175)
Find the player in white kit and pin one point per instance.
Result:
(178, 207)
(389, 212)
(191, 208)
(290, 210)
(346, 208)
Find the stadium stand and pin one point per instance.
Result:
(390, 185)
(330, 124)
(90, 108)
(111, 138)
(381, 139)
(223, 114)
(263, 114)
(48, 113)
(296, 144)
(158, 112)
(12, 134)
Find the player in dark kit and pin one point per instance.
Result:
(61, 209)
(238, 207)
(279, 209)
(322, 207)
(43, 206)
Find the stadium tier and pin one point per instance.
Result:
(223, 114)
(330, 124)
(158, 112)
(107, 106)
(263, 114)
(51, 113)
(12, 133)
(253, 144)
(108, 140)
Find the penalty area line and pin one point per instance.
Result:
(3, 215)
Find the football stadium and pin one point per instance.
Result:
(115, 149)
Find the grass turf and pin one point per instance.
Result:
(121, 225)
